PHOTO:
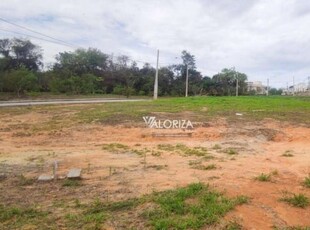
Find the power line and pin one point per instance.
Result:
(33, 31)
(43, 39)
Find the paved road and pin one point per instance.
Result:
(65, 101)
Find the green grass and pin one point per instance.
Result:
(191, 207)
(204, 167)
(233, 225)
(16, 217)
(263, 177)
(93, 215)
(71, 183)
(231, 151)
(141, 152)
(115, 148)
(254, 108)
(183, 149)
(297, 200)
(306, 182)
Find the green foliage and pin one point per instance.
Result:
(233, 225)
(231, 151)
(297, 200)
(274, 91)
(115, 147)
(224, 83)
(263, 177)
(84, 84)
(17, 53)
(16, 217)
(183, 149)
(203, 167)
(191, 207)
(20, 81)
(306, 182)
(71, 183)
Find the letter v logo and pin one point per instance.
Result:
(149, 121)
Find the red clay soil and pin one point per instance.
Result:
(126, 174)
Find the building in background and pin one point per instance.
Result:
(300, 89)
(256, 87)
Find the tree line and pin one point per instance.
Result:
(90, 71)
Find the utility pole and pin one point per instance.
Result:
(308, 88)
(156, 78)
(267, 92)
(186, 84)
(237, 86)
(293, 86)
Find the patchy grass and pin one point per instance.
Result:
(231, 151)
(204, 167)
(191, 207)
(71, 183)
(166, 147)
(255, 108)
(17, 217)
(287, 153)
(306, 182)
(99, 206)
(183, 149)
(157, 167)
(292, 228)
(115, 148)
(24, 181)
(141, 152)
(156, 153)
(263, 177)
(93, 215)
(296, 200)
(86, 221)
(216, 147)
(233, 225)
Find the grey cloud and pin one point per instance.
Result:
(259, 37)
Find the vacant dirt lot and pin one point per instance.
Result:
(129, 160)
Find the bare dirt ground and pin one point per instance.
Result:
(146, 163)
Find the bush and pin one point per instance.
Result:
(20, 81)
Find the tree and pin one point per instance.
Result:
(180, 71)
(5, 47)
(20, 81)
(188, 60)
(17, 53)
(144, 81)
(225, 82)
(274, 91)
(81, 61)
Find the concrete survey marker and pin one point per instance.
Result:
(74, 174)
(45, 178)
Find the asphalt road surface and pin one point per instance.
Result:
(65, 101)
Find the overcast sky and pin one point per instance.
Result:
(262, 38)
